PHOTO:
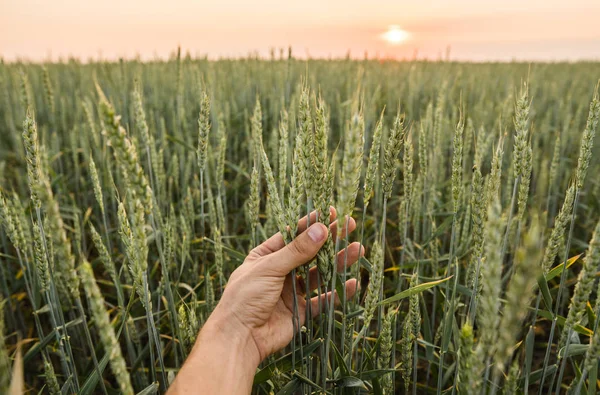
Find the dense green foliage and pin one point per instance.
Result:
(130, 191)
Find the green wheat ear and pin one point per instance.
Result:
(253, 202)
(466, 373)
(390, 156)
(387, 347)
(587, 141)
(408, 169)
(203, 130)
(375, 282)
(373, 165)
(8, 220)
(96, 184)
(140, 116)
(125, 153)
(105, 329)
(457, 166)
(560, 225)
(51, 380)
(519, 293)
(491, 280)
(584, 285)
(352, 162)
(278, 212)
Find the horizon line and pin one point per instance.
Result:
(276, 56)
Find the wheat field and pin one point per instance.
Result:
(130, 191)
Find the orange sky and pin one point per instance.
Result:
(473, 29)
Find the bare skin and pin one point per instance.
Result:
(254, 316)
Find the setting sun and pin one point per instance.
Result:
(395, 35)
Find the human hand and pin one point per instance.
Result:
(259, 297)
(254, 316)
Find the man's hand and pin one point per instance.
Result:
(254, 316)
(259, 297)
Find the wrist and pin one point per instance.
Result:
(226, 329)
(223, 350)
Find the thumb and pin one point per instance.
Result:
(300, 251)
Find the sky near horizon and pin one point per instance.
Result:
(477, 30)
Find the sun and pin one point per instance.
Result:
(395, 35)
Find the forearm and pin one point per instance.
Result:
(223, 361)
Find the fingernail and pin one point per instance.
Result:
(316, 233)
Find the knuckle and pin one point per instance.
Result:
(254, 253)
(261, 264)
(267, 269)
(299, 247)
